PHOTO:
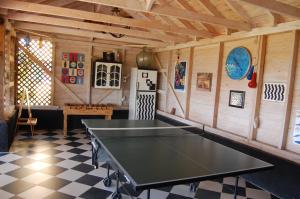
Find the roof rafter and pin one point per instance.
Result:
(276, 7)
(173, 12)
(84, 33)
(140, 15)
(187, 6)
(238, 9)
(86, 26)
(78, 14)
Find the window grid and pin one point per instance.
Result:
(31, 75)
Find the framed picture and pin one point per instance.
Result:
(237, 99)
(204, 81)
(180, 73)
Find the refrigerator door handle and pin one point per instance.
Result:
(137, 85)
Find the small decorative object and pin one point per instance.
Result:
(173, 111)
(179, 80)
(274, 92)
(144, 59)
(27, 40)
(237, 99)
(250, 73)
(72, 68)
(252, 83)
(296, 135)
(204, 81)
(108, 56)
(238, 63)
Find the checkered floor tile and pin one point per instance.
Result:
(53, 167)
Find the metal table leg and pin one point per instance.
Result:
(117, 194)
(148, 194)
(107, 180)
(236, 187)
(193, 187)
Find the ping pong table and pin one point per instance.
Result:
(153, 154)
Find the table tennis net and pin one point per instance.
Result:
(139, 132)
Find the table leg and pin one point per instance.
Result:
(236, 187)
(117, 194)
(87, 133)
(193, 187)
(107, 180)
(148, 194)
(65, 124)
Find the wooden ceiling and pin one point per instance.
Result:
(155, 23)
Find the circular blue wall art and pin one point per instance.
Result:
(238, 63)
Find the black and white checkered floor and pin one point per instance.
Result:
(53, 167)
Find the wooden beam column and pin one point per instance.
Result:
(167, 77)
(258, 92)
(189, 83)
(2, 69)
(289, 90)
(218, 85)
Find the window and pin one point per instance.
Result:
(35, 70)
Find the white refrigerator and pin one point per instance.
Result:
(142, 98)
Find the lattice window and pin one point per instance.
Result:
(31, 74)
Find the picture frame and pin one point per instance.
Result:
(237, 98)
(180, 76)
(204, 81)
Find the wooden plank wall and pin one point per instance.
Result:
(211, 108)
(85, 93)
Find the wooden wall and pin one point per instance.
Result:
(84, 93)
(273, 55)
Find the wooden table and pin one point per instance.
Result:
(83, 109)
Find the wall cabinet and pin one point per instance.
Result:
(108, 75)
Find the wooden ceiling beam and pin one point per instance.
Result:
(58, 2)
(209, 7)
(140, 15)
(86, 26)
(187, 6)
(173, 12)
(238, 9)
(84, 33)
(84, 15)
(276, 6)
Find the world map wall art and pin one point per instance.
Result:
(72, 68)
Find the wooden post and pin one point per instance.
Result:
(289, 90)
(89, 82)
(258, 92)
(2, 69)
(218, 85)
(189, 83)
(167, 77)
(53, 72)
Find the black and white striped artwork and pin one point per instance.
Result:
(274, 92)
(145, 106)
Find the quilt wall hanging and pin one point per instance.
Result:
(72, 68)
(180, 73)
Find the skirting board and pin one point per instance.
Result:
(253, 143)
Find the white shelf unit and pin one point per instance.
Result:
(108, 75)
